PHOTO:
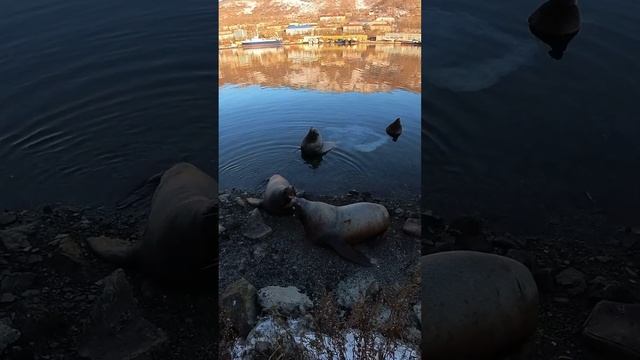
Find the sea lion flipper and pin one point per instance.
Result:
(115, 251)
(346, 250)
(254, 202)
(328, 146)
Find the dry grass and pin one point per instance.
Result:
(361, 322)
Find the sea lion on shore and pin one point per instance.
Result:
(395, 129)
(278, 196)
(476, 305)
(313, 146)
(341, 227)
(180, 236)
(556, 22)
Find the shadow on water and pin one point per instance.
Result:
(518, 137)
(556, 23)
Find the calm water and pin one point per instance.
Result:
(269, 98)
(96, 96)
(514, 134)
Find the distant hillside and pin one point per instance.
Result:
(234, 12)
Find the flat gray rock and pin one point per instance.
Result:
(286, 300)
(255, 228)
(116, 329)
(615, 327)
(354, 288)
(14, 239)
(572, 280)
(413, 227)
(8, 335)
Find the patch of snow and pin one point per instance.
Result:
(303, 6)
(320, 346)
(249, 6)
(361, 5)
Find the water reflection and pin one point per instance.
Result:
(556, 23)
(358, 68)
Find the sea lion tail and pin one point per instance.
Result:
(116, 251)
(345, 250)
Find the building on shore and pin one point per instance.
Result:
(379, 27)
(225, 36)
(401, 37)
(239, 34)
(353, 28)
(303, 29)
(387, 19)
(327, 30)
(333, 18)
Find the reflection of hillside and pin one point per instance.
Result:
(362, 68)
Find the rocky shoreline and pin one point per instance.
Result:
(264, 257)
(577, 264)
(58, 301)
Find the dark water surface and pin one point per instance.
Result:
(513, 134)
(95, 96)
(269, 98)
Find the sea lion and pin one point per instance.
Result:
(395, 129)
(180, 236)
(313, 146)
(340, 227)
(556, 22)
(278, 196)
(475, 305)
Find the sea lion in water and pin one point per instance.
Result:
(340, 227)
(278, 196)
(395, 129)
(476, 305)
(313, 146)
(180, 236)
(556, 22)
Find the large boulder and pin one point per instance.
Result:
(239, 306)
(116, 328)
(476, 305)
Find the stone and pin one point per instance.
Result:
(239, 306)
(572, 280)
(7, 298)
(285, 300)
(7, 218)
(255, 228)
(355, 288)
(604, 289)
(412, 227)
(613, 327)
(14, 240)
(69, 256)
(17, 282)
(417, 311)
(8, 335)
(116, 329)
(34, 259)
(384, 314)
(480, 305)
(221, 229)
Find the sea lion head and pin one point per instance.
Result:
(289, 196)
(313, 134)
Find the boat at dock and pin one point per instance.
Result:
(259, 43)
